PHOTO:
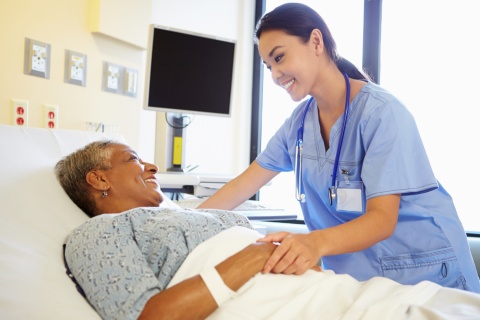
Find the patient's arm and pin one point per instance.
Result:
(190, 299)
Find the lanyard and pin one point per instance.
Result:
(299, 148)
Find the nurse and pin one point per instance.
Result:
(364, 182)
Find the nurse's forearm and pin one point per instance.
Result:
(231, 195)
(377, 224)
(240, 189)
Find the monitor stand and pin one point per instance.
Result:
(178, 124)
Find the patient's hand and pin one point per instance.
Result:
(295, 254)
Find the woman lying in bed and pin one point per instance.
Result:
(137, 259)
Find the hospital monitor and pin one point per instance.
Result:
(188, 72)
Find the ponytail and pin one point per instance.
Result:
(351, 70)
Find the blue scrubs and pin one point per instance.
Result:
(383, 150)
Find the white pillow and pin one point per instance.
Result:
(35, 217)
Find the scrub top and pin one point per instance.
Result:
(382, 153)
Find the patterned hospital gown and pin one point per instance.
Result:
(122, 260)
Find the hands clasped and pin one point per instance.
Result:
(295, 254)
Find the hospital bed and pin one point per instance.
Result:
(35, 218)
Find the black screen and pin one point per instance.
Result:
(189, 73)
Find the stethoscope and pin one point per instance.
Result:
(299, 194)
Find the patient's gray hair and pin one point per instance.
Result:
(72, 170)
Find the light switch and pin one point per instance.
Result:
(130, 79)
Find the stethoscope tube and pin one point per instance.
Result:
(299, 194)
(298, 158)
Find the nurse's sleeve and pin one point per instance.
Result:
(278, 155)
(395, 159)
(113, 273)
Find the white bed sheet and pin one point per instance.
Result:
(321, 295)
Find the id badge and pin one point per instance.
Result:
(350, 196)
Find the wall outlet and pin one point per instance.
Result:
(75, 68)
(112, 77)
(19, 112)
(37, 58)
(50, 116)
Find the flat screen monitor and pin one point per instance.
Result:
(188, 72)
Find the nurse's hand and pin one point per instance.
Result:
(295, 254)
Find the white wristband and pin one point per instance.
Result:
(219, 290)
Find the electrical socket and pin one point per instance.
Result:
(19, 112)
(50, 116)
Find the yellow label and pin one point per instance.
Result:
(177, 150)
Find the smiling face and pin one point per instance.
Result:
(130, 182)
(293, 63)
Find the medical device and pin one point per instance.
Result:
(187, 73)
(194, 66)
(299, 194)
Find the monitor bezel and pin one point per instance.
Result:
(146, 105)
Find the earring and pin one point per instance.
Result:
(104, 193)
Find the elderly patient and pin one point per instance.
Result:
(125, 256)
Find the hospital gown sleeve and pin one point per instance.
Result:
(108, 265)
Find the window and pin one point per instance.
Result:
(430, 60)
(347, 30)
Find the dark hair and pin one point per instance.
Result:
(71, 172)
(299, 20)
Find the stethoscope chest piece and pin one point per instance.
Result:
(331, 194)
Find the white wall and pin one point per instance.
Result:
(64, 25)
(217, 145)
